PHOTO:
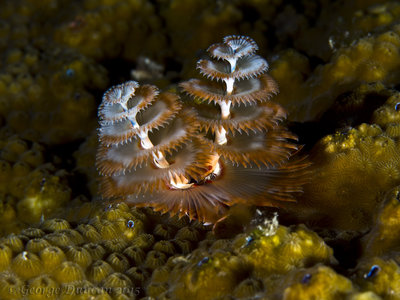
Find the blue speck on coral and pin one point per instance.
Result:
(70, 72)
(130, 224)
(203, 261)
(306, 278)
(249, 240)
(372, 272)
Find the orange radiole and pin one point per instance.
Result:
(222, 145)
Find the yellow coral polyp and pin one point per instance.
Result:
(341, 68)
(115, 245)
(89, 233)
(155, 259)
(390, 37)
(10, 282)
(68, 271)
(161, 274)
(324, 283)
(42, 287)
(117, 213)
(247, 288)
(117, 280)
(36, 245)
(5, 257)
(135, 254)
(385, 52)
(393, 130)
(163, 231)
(187, 233)
(380, 239)
(99, 270)
(79, 255)
(73, 235)
(106, 229)
(165, 246)
(371, 71)
(52, 257)
(156, 289)
(96, 251)
(54, 225)
(143, 241)
(26, 265)
(58, 239)
(118, 262)
(13, 242)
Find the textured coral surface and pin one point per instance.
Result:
(337, 67)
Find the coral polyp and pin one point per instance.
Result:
(228, 146)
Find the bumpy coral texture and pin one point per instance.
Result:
(124, 250)
(30, 102)
(386, 222)
(244, 156)
(31, 187)
(339, 160)
(343, 197)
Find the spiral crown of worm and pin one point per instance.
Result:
(224, 145)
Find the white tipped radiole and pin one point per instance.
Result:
(130, 107)
(197, 158)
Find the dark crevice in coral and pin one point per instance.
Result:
(249, 13)
(308, 133)
(397, 87)
(61, 157)
(346, 252)
(273, 40)
(173, 66)
(314, 61)
(349, 110)
(119, 70)
(78, 184)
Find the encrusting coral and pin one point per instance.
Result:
(349, 200)
(337, 196)
(381, 241)
(30, 187)
(254, 264)
(112, 250)
(29, 102)
(369, 58)
(127, 257)
(318, 282)
(176, 170)
(380, 276)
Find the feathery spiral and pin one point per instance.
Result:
(228, 147)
